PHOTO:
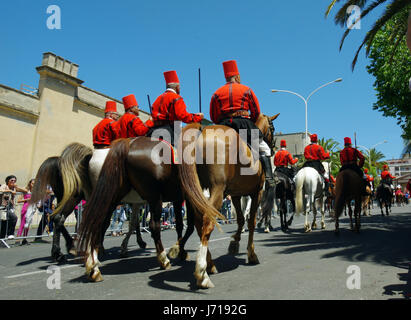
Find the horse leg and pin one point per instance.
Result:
(56, 253)
(175, 250)
(234, 246)
(322, 215)
(350, 214)
(292, 216)
(204, 228)
(357, 214)
(314, 223)
(155, 227)
(252, 257)
(92, 263)
(136, 208)
(183, 255)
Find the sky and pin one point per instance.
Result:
(124, 46)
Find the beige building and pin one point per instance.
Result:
(296, 142)
(40, 124)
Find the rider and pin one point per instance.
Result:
(281, 160)
(130, 125)
(349, 157)
(370, 179)
(386, 176)
(235, 105)
(170, 107)
(313, 154)
(103, 132)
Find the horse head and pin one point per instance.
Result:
(266, 126)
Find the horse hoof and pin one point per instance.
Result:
(322, 226)
(205, 283)
(253, 260)
(183, 255)
(212, 270)
(142, 244)
(166, 265)
(61, 259)
(95, 276)
(174, 251)
(314, 226)
(267, 230)
(73, 252)
(234, 247)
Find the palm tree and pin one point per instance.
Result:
(333, 147)
(373, 161)
(407, 148)
(393, 8)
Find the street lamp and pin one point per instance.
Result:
(369, 152)
(306, 102)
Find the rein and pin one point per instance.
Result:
(271, 143)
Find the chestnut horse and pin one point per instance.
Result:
(134, 165)
(223, 163)
(348, 187)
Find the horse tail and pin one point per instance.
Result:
(105, 194)
(74, 171)
(191, 187)
(49, 174)
(340, 190)
(299, 181)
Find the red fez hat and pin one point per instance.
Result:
(385, 166)
(171, 77)
(365, 170)
(111, 106)
(313, 138)
(230, 68)
(283, 143)
(130, 101)
(347, 140)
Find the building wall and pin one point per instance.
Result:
(37, 126)
(296, 142)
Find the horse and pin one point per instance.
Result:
(329, 200)
(366, 200)
(309, 182)
(68, 176)
(384, 197)
(348, 187)
(399, 198)
(284, 192)
(225, 164)
(134, 165)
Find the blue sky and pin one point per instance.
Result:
(124, 47)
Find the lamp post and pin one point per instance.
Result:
(369, 152)
(306, 102)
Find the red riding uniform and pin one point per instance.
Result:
(386, 175)
(283, 157)
(104, 131)
(130, 125)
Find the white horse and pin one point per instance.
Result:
(309, 182)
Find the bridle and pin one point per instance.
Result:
(271, 130)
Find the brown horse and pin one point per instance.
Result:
(366, 200)
(134, 165)
(225, 165)
(348, 187)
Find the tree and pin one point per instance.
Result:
(392, 74)
(334, 148)
(373, 161)
(392, 9)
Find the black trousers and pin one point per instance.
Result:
(287, 171)
(316, 164)
(8, 226)
(353, 167)
(169, 128)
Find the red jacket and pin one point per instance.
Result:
(386, 174)
(369, 178)
(315, 152)
(170, 106)
(283, 157)
(130, 125)
(104, 132)
(349, 154)
(233, 97)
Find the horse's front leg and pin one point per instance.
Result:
(252, 257)
(155, 227)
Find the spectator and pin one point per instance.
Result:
(119, 215)
(46, 207)
(226, 209)
(78, 211)
(25, 200)
(7, 215)
(165, 214)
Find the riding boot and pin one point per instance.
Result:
(327, 186)
(270, 178)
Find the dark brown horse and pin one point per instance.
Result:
(348, 187)
(134, 165)
(225, 165)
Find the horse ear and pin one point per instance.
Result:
(274, 117)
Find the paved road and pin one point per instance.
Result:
(292, 266)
